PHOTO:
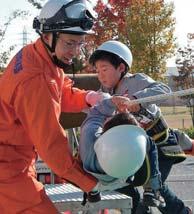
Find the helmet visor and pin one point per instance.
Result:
(79, 10)
(77, 15)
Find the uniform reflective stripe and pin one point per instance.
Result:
(161, 138)
(157, 127)
(18, 63)
(174, 151)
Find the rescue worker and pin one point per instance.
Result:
(33, 92)
(113, 61)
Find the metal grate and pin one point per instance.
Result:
(68, 197)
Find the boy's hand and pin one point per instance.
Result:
(125, 104)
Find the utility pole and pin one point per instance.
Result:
(24, 37)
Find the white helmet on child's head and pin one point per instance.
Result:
(121, 150)
(65, 16)
(117, 48)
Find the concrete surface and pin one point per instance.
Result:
(181, 181)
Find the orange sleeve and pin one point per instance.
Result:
(73, 99)
(39, 112)
(190, 152)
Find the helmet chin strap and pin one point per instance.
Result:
(55, 60)
(60, 63)
(121, 77)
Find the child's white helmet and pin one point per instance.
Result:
(117, 48)
(121, 150)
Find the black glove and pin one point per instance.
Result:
(130, 179)
(94, 196)
(91, 197)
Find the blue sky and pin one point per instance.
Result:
(183, 13)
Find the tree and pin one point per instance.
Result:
(36, 4)
(111, 20)
(147, 26)
(185, 67)
(150, 29)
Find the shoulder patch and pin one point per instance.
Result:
(18, 63)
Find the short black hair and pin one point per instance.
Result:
(120, 119)
(107, 56)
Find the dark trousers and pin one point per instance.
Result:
(141, 177)
(133, 193)
(173, 203)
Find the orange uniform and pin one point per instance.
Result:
(33, 92)
(190, 152)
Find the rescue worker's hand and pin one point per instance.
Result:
(91, 197)
(93, 97)
(125, 104)
(108, 186)
(190, 152)
(94, 196)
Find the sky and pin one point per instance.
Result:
(183, 13)
(184, 19)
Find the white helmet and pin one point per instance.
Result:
(121, 150)
(65, 16)
(117, 48)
